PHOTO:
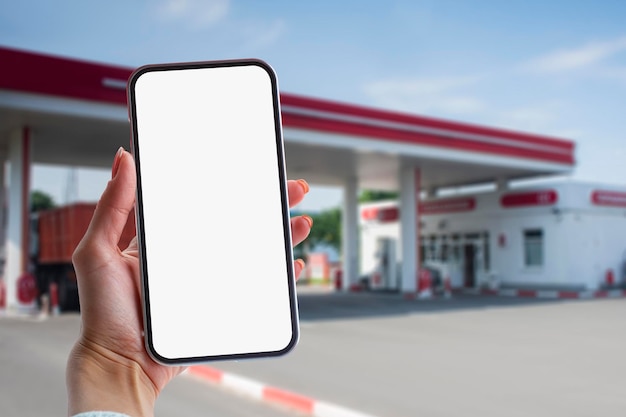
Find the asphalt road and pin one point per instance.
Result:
(32, 377)
(382, 355)
(471, 356)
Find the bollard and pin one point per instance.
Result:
(447, 287)
(54, 298)
(3, 295)
(26, 288)
(338, 280)
(424, 285)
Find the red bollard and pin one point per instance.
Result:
(419, 286)
(54, 298)
(424, 284)
(26, 288)
(3, 295)
(610, 278)
(338, 280)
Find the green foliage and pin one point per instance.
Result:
(40, 201)
(326, 228)
(374, 195)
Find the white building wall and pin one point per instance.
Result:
(371, 232)
(509, 260)
(581, 240)
(603, 247)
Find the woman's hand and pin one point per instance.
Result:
(109, 368)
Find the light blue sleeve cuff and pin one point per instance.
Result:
(100, 414)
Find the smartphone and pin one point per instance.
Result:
(212, 211)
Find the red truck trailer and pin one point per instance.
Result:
(58, 232)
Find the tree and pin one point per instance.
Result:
(326, 229)
(376, 195)
(39, 201)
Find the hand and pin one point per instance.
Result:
(108, 368)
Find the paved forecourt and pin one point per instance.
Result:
(33, 354)
(377, 355)
(473, 355)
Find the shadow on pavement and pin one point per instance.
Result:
(331, 305)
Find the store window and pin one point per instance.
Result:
(533, 247)
(445, 249)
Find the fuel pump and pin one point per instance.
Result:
(385, 275)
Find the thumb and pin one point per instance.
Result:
(115, 204)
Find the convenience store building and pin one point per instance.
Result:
(560, 238)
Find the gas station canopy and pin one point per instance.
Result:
(76, 112)
(57, 110)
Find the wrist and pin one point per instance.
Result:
(98, 379)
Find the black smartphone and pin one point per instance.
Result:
(212, 211)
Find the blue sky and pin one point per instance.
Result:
(551, 67)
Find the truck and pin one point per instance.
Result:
(54, 236)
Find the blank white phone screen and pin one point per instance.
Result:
(217, 265)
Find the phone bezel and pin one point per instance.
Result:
(135, 150)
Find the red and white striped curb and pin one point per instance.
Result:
(528, 293)
(554, 294)
(251, 388)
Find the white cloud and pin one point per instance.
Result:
(571, 59)
(263, 35)
(545, 118)
(531, 117)
(199, 13)
(202, 14)
(415, 86)
(426, 95)
(173, 8)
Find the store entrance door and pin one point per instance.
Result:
(469, 262)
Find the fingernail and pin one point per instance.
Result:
(116, 161)
(308, 219)
(300, 262)
(304, 185)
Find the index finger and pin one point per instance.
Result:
(296, 189)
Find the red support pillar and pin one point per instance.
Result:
(18, 218)
(26, 162)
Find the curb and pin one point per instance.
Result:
(266, 393)
(550, 294)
